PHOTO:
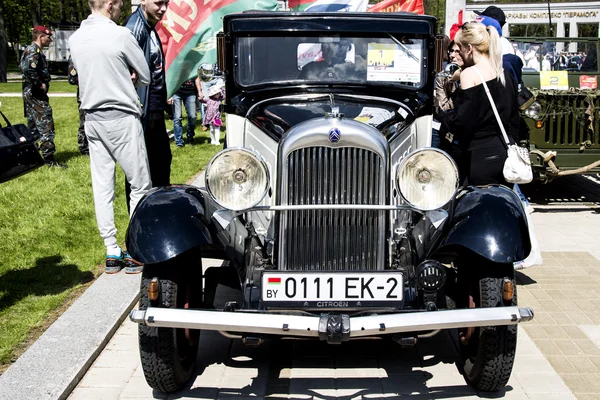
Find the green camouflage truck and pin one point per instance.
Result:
(564, 120)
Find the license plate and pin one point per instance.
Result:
(335, 287)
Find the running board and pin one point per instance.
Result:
(326, 325)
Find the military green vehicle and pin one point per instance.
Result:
(564, 121)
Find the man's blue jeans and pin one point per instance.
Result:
(190, 108)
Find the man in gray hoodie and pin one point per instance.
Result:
(110, 64)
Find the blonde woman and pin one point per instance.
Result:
(473, 121)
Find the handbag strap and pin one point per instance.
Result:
(489, 95)
(5, 119)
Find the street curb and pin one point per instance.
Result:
(56, 362)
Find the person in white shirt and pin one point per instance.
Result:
(108, 61)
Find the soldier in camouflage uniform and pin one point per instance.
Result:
(82, 141)
(36, 82)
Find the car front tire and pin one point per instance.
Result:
(489, 353)
(168, 355)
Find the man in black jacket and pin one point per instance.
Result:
(153, 97)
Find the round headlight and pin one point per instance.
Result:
(237, 179)
(534, 111)
(427, 179)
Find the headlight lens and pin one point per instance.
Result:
(237, 179)
(427, 179)
(534, 111)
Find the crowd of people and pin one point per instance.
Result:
(122, 115)
(547, 58)
(468, 128)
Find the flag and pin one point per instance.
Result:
(413, 6)
(338, 6)
(188, 34)
(328, 5)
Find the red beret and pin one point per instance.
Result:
(42, 29)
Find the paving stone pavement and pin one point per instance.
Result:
(558, 353)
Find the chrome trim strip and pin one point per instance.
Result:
(308, 326)
(315, 96)
(225, 216)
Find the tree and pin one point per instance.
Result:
(35, 10)
(3, 44)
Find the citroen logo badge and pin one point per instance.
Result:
(334, 135)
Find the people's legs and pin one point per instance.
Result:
(435, 139)
(177, 117)
(39, 118)
(82, 142)
(159, 151)
(202, 111)
(129, 150)
(190, 109)
(102, 166)
(215, 133)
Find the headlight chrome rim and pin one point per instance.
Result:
(534, 111)
(261, 163)
(426, 174)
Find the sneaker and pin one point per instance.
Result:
(190, 140)
(114, 264)
(131, 266)
(180, 145)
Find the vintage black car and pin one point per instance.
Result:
(335, 218)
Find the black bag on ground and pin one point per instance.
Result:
(18, 153)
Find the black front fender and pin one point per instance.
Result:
(167, 222)
(491, 222)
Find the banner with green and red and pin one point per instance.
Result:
(413, 6)
(188, 34)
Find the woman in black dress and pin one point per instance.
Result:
(473, 121)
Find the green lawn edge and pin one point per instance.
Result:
(51, 249)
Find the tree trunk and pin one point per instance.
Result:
(3, 46)
(61, 10)
(35, 10)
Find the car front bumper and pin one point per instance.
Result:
(330, 327)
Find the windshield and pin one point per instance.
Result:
(330, 59)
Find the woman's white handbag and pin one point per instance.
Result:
(517, 167)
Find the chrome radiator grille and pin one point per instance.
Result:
(329, 240)
(567, 122)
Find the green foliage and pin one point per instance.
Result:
(50, 243)
(21, 15)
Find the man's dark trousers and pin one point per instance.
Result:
(158, 149)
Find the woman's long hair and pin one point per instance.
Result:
(487, 42)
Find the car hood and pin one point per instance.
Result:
(276, 116)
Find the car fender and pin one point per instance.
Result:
(168, 221)
(491, 222)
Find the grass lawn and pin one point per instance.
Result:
(55, 87)
(50, 248)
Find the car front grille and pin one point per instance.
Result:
(567, 122)
(330, 240)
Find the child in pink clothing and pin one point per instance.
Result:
(212, 115)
